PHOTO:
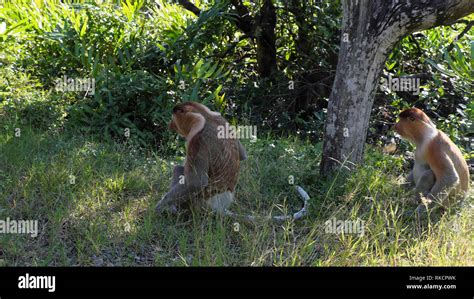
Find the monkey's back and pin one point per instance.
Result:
(224, 162)
(458, 160)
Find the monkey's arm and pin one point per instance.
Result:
(242, 152)
(195, 179)
(425, 183)
(409, 181)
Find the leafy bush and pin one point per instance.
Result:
(146, 56)
(127, 55)
(22, 101)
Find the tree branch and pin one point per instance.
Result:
(417, 45)
(432, 13)
(190, 6)
(229, 49)
(244, 20)
(466, 29)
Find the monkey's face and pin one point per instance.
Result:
(403, 127)
(179, 122)
(183, 119)
(411, 122)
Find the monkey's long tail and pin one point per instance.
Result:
(280, 218)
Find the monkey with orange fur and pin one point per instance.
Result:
(211, 169)
(440, 171)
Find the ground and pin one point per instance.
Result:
(94, 200)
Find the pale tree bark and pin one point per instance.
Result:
(370, 29)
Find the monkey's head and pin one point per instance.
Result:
(412, 123)
(188, 116)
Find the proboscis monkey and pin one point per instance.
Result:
(440, 171)
(211, 169)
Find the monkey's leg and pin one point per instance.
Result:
(439, 193)
(409, 181)
(447, 179)
(178, 175)
(442, 189)
(195, 178)
(425, 183)
(182, 193)
(177, 178)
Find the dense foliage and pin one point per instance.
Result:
(146, 56)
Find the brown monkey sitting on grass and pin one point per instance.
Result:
(211, 169)
(209, 175)
(440, 174)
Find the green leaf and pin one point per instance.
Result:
(391, 65)
(211, 70)
(194, 95)
(84, 27)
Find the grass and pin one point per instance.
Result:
(94, 199)
(94, 202)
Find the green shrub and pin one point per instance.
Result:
(127, 51)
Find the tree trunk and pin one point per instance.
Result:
(265, 36)
(370, 29)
